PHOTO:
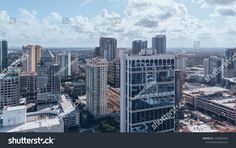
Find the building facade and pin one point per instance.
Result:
(138, 45)
(9, 89)
(230, 70)
(96, 86)
(114, 73)
(108, 48)
(147, 92)
(31, 62)
(28, 87)
(3, 55)
(64, 62)
(210, 67)
(159, 44)
(48, 80)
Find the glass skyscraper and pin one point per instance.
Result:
(147, 92)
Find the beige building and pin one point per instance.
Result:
(34, 52)
(96, 86)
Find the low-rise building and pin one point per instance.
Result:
(15, 119)
(68, 112)
(213, 100)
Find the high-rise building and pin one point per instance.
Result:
(10, 89)
(230, 69)
(108, 47)
(97, 52)
(28, 87)
(3, 55)
(114, 73)
(48, 79)
(64, 62)
(75, 65)
(211, 65)
(159, 44)
(34, 52)
(96, 86)
(138, 45)
(147, 93)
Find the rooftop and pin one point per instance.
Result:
(15, 108)
(67, 105)
(32, 125)
(216, 95)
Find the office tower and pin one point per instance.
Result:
(96, 86)
(230, 69)
(34, 52)
(147, 93)
(3, 55)
(211, 66)
(97, 52)
(64, 62)
(114, 73)
(28, 87)
(10, 89)
(159, 44)
(75, 66)
(138, 45)
(108, 47)
(48, 80)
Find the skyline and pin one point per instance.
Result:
(211, 22)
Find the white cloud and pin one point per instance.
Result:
(142, 19)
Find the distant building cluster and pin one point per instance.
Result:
(60, 91)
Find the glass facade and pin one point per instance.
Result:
(149, 93)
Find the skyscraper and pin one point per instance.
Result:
(159, 44)
(3, 55)
(230, 69)
(28, 87)
(49, 79)
(10, 89)
(210, 67)
(96, 86)
(147, 92)
(114, 73)
(108, 48)
(137, 45)
(97, 52)
(34, 52)
(64, 62)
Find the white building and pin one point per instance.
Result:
(64, 62)
(68, 112)
(96, 86)
(9, 89)
(15, 119)
(147, 92)
(213, 100)
(210, 69)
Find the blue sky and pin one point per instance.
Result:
(211, 22)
